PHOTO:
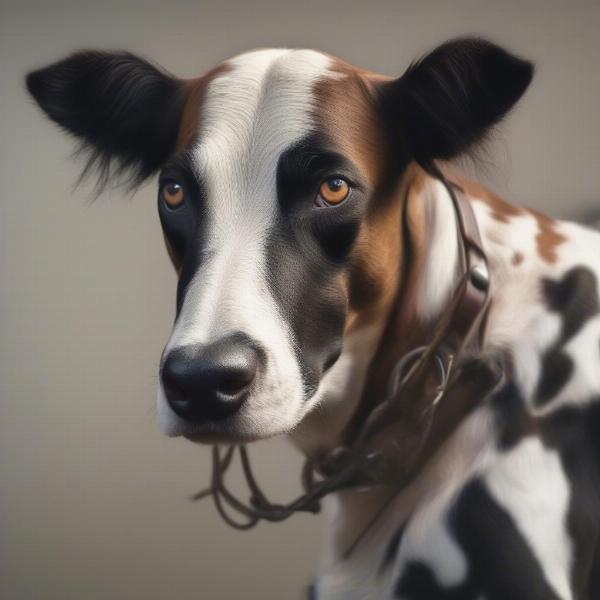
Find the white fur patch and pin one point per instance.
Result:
(583, 385)
(529, 482)
(442, 264)
(427, 537)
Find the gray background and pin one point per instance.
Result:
(94, 502)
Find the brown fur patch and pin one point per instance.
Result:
(501, 210)
(404, 329)
(400, 254)
(195, 91)
(346, 110)
(548, 238)
(376, 263)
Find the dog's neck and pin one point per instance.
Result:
(521, 246)
(430, 269)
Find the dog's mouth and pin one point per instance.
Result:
(231, 431)
(213, 438)
(249, 425)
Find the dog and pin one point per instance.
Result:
(315, 239)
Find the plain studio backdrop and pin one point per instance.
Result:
(94, 501)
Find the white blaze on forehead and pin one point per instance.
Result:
(252, 113)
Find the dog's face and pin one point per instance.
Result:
(271, 196)
(278, 197)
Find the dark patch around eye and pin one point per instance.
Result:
(310, 299)
(307, 249)
(183, 226)
(337, 239)
(177, 227)
(303, 167)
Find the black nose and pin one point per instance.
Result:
(210, 382)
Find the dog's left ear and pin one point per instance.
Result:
(124, 110)
(449, 99)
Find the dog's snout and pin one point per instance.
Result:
(210, 382)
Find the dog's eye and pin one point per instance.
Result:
(334, 190)
(172, 194)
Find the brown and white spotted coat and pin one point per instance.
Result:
(509, 506)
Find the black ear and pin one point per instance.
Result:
(447, 101)
(121, 107)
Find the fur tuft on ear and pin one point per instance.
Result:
(124, 110)
(448, 100)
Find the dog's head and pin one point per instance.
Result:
(278, 196)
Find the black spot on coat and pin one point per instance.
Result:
(575, 299)
(501, 565)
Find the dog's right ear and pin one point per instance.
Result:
(123, 109)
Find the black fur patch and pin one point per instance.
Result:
(308, 249)
(123, 109)
(184, 226)
(513, 421)
(501, 564)
(419, 583)
(575, 298)
(447, 101)
(556, 371)
(574, 433)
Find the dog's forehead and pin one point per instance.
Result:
(256, 106)
(259, 103)
(253, 107)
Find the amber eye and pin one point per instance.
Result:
(334, 190)
(172, 194)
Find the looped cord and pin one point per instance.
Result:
(353, 462)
